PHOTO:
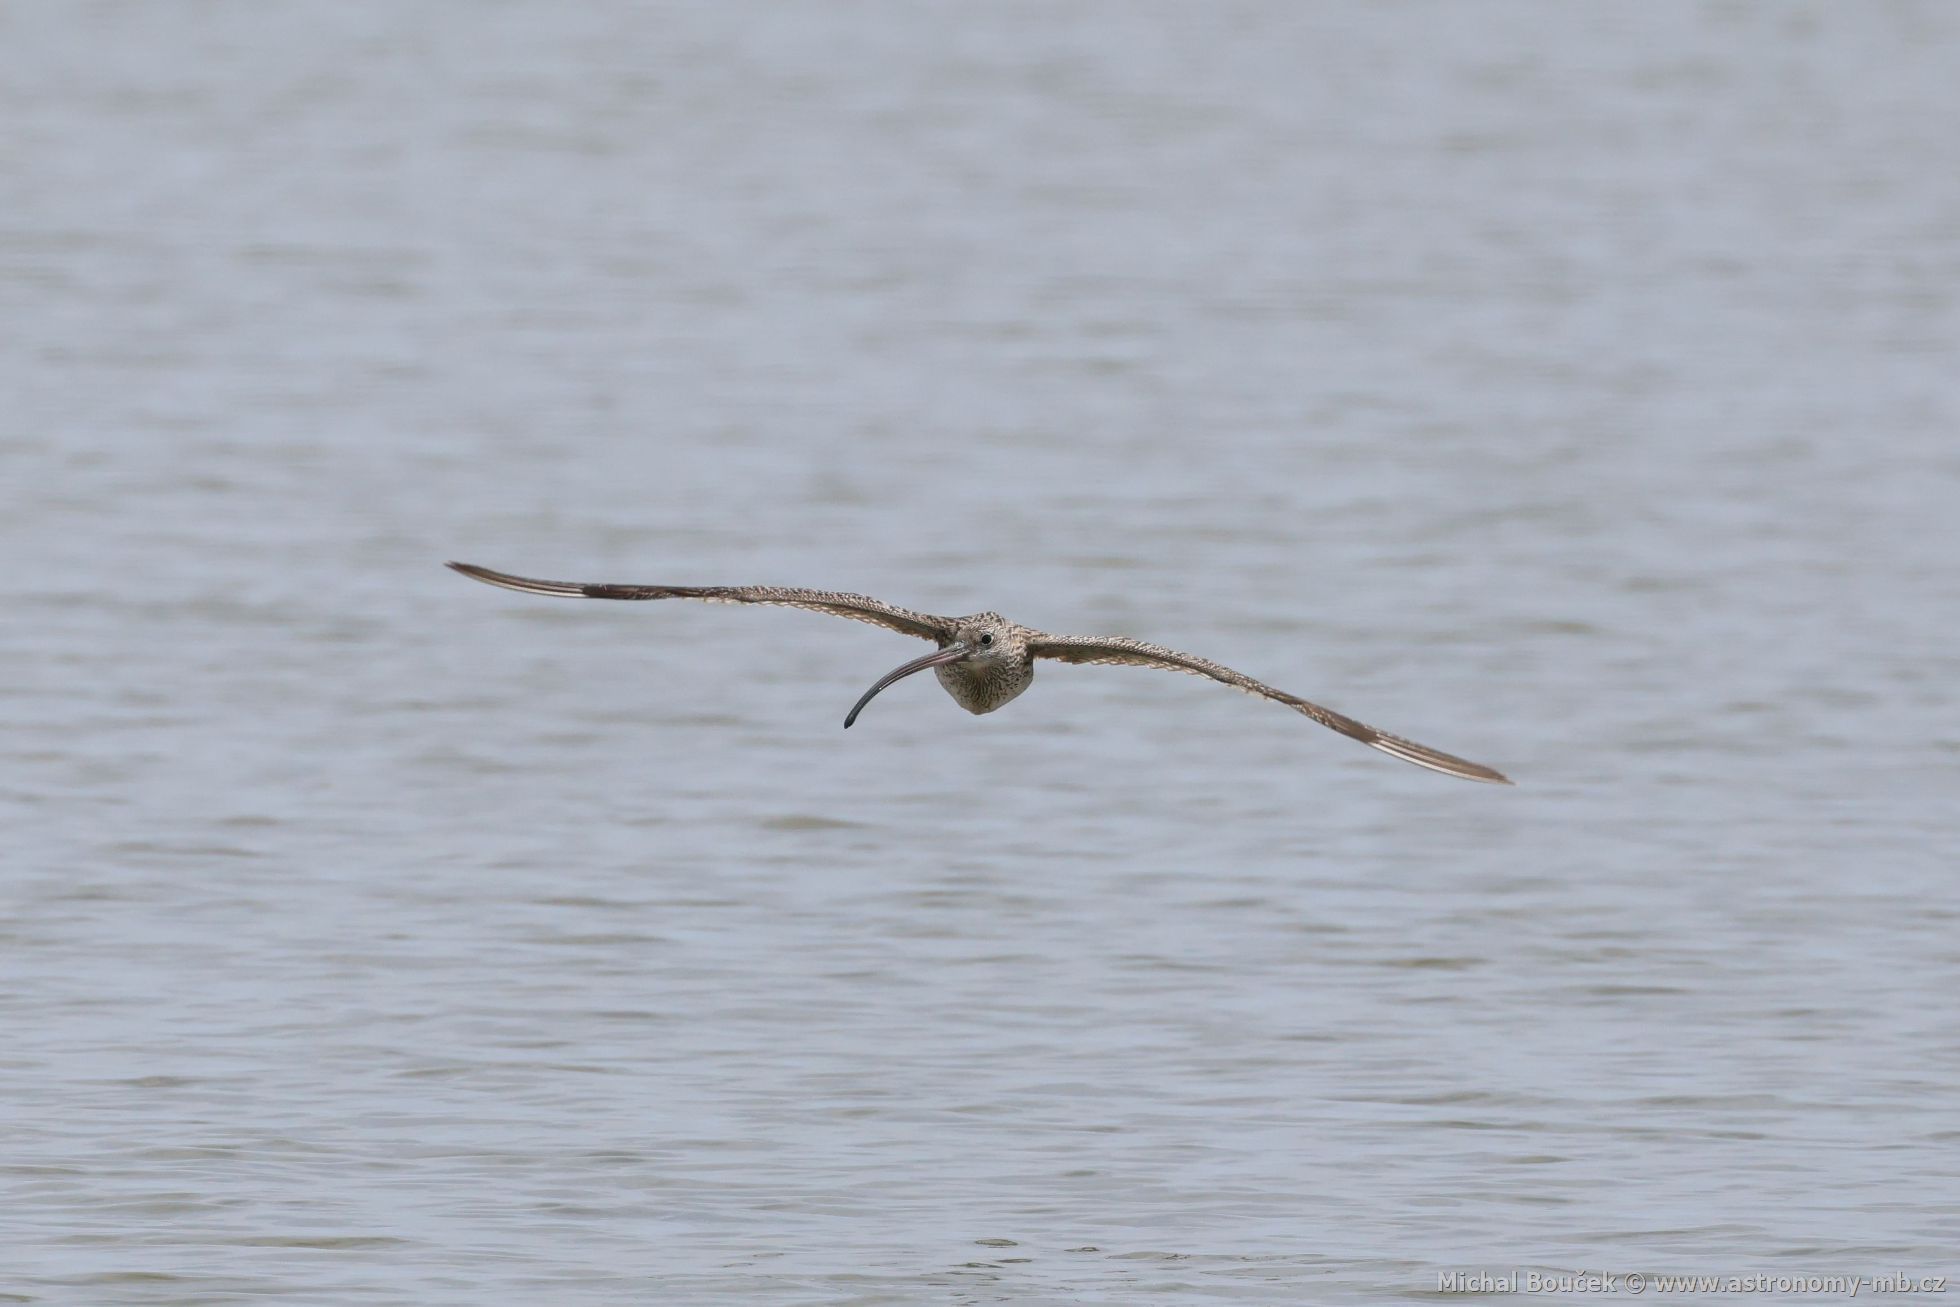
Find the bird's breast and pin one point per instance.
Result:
(981, 689)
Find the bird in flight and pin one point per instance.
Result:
(984, 661)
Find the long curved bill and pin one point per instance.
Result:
(952, 653)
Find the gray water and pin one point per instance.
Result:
(1576, 388)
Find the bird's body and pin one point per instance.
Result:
(985, 661)
(981, 685)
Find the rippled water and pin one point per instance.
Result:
(1572, 387)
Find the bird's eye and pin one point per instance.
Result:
(987, 638)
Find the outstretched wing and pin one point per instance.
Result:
(859, 608)
(1116, 651)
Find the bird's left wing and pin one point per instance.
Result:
(1117, 651)
(859, 608)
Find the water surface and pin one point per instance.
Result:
(1574, 388)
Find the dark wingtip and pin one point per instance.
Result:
(1476, 771)
(1489, 775)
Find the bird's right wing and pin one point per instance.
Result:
(859, 608)
(1118, 651)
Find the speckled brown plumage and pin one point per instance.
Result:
(985, 661)
(859, 608)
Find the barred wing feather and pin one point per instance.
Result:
(1114, 651)
(858, 608)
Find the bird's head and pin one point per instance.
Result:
(988, 638)
(981, 640)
